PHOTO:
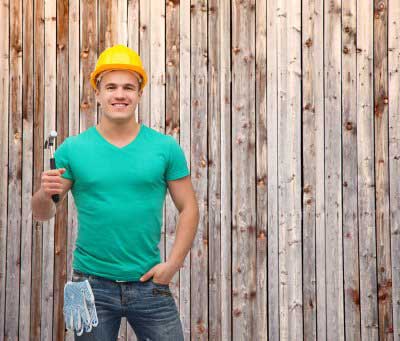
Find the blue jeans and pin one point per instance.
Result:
(149, 308)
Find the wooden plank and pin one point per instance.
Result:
(313, 161)
(38, 161)
(226, 188)
(60, 227)
(144, 49)
(185, 134)
(88, 54)
(282, 151)
(366, 177)
(199, 296)
(106, 13)
(4, 119)
(333, 173)
(214, 172)
(382, 172)
(157, 83)
(261, 169)
(243, 176)
(349, 140)
(133, 41)
(26, 228)
(49, 124)
(14, 174)
(157, 65)
(73, 115)
(273, 19)
(394, 155)
(289, 171)
(172, 121)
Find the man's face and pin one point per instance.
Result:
(118, 93)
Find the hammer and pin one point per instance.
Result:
(49, 144)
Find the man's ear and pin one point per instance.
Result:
(140, 92)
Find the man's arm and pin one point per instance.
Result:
(43, 207)
(184, 198)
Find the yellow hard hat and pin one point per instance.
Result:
(118, 57)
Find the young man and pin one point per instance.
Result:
(119, 172)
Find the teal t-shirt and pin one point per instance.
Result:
(119, 195)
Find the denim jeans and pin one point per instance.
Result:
(149, 308)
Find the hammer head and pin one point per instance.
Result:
(50, 139)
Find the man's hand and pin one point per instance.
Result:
(162, 273)
(51, 182)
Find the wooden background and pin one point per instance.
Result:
(289, 114)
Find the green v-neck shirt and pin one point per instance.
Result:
(119, 195)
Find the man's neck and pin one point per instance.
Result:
(118, 132)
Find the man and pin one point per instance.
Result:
(118, 172)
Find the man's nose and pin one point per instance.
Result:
(120, 93)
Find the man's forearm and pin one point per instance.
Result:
(43, 208)
(185, 233)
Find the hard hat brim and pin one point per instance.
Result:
(113, 67)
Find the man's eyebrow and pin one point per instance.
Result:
(115, 84)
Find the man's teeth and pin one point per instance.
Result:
(119, 105)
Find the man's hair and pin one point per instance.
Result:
(98, 79)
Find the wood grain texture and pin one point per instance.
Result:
(27, 157)
(333, 173)
(394, 155)
(14, 175)
(244, 283)
(384, 266)
(349, 155)
(366, 175)
(185, 137)
(313, 161)
(4, 120)
(199, 168)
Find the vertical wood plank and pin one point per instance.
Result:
(198, 75)
(333, 173)
(157, 83)
(133, 34)
(243, 175)
(185, 135)
(281, 150)
(313, 158)
(366, 177)
(382, 171)
(214, 172)
(50, 84)
(4, 119)
(261, 169)
(394, 155)
(226, 177)
(73, 115)
(106, 12)
(38, 143)
(27, 129)
(88, 54)
(144, 49)
(14, 174)
(349, 140)
(61, 227)
(172, 126)
(273, 19)
(290, 181)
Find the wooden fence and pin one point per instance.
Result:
(289, 114)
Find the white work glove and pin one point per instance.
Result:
(79, 308)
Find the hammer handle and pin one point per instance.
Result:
(55, 197)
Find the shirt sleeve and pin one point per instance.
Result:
(177, 166)
(61, 156)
